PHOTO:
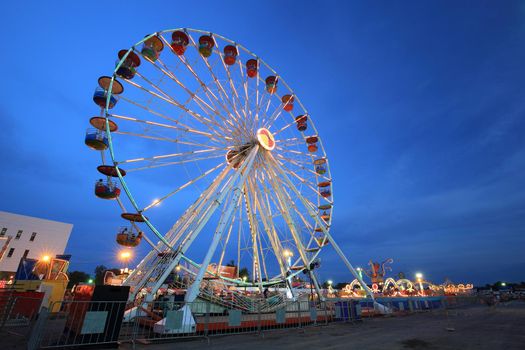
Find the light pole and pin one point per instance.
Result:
(419, 279)
(244, 278)
(330, 289)
(360, 272)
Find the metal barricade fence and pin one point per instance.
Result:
(104, 322)
(80, 323)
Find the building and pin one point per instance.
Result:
(25, 236)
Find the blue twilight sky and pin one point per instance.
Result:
(420, 105)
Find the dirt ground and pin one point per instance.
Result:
(476, 327)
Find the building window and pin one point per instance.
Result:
(2, 233)
(11, 251)
(33, 235)
(19, 234)
(25, 254)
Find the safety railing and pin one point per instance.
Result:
(104, 322)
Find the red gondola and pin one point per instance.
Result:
(152, 47)
(287, 101)
(106, 190)
(230, 54)
(127, 238)
(312, 143)
(271, 84)
(301, 122)
(179, 41)
(251, 68)
(206, 44)
(127, 69)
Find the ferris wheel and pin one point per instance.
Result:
(196, 129)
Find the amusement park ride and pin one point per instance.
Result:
(191, 114)
(402, 287)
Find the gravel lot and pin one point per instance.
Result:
(476, 327)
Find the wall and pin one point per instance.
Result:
(50, 239)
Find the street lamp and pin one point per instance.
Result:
(124, 256)
(288, 254)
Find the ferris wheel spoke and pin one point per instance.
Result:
(310, 207)
(212, 112)
(301, 179)
(219, 197)
(276, 113)
(299, 153)
(167, 126)
(232, 84)
(264, 272)
(264, 207)
(299, 243)
(198, 117)
(285, 210)
(313, 175)
(284, 128)
(208, 122)
(327, 235)
(192, 160)
(171, 155)
(227, 239)
(166, 71)
(180, 188)
(252, 221)
(259, 102)
(264, 215)
(182, 126)
(207, 91)
(177, 230)
(167, 139)
(244, 78)
(222, 92)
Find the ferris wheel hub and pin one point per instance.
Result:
(266, 139)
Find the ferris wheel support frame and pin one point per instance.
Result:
(193, 291)
(216, 202)
(140, 277)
